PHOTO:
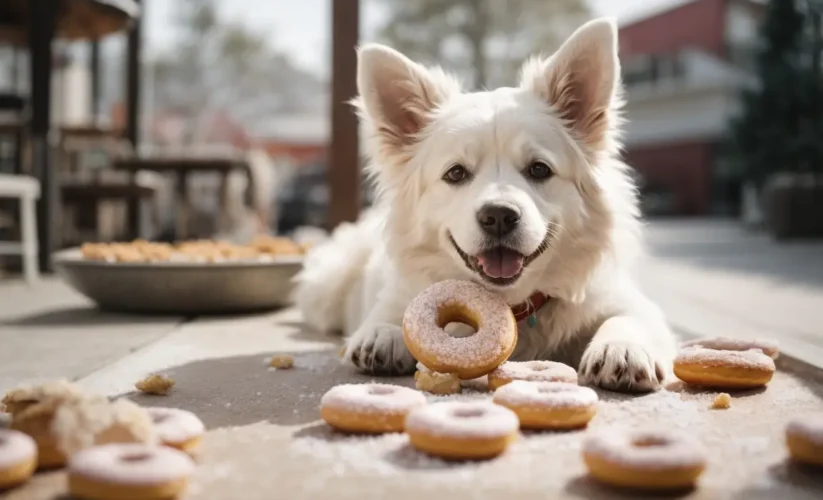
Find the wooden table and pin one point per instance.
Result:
(182, 166)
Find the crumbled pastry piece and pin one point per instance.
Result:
(437, 383)
(281, 361)
(722, 401)
(21, 398)
(96, 251)
(87, 423)
(156, 383)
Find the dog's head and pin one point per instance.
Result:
(499, 182)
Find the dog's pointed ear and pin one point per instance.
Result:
(398, 95)
(581, 81)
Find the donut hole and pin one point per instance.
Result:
(456, 321)
(469, 412)
(539, 368)
(380, 390)
(159, 418)
(649, 442)
(134, 457)
(551, 389)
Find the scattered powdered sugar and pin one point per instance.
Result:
(809, 427)
(645, 449)
(769, 348)
(545, 395)
(753, 359)
(372, 398)
(496, 331)
(463, 419)
(536, 371)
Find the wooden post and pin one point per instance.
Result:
(94, 50)
(344, 156)
(133, 55)
(43, 15)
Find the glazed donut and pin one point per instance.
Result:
(462, 430)
(177, 428)
(723, 369)
(644, 460)
(548, 405)
(129, 471)
(18, 458)
(804, 438)
(769, 348)
(454, 301)
(369, 408)
(533, 371)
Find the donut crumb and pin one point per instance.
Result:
(156, 383)
(722, 401)
(437, 383)
(281, 361)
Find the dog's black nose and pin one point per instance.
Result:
(498, 220)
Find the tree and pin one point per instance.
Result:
(483, 40)
(782, 117)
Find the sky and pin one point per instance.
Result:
(302, 27)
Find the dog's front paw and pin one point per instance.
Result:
(379, 350)
(621, 366)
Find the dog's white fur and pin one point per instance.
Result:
(565, 113)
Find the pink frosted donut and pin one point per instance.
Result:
(369, 408)
(462, 430)
(18, 458)
(645, 460)
(548, 405)
(177, 428)
(533, 371)
(129, 470)
(454, 301)
(769, 348)
(804, 438)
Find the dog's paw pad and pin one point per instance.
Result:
(621, 366)
(379, 350)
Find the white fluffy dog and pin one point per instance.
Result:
(518, 189)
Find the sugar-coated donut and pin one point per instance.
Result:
(462, 430)
(533, 371)
(769, 348)
(548, 405)
(804, 438)
(177, 428)
(129, 471)
(454, 301)
(644, 460)
(369, 408)
(701, 366)
(18, 458)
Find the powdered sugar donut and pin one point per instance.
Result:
(769, 348)
(369, 408)
(177, 428)
(454, 301)
(129, 470)
(804, 438)
(723, 369)
(548, 405)
(534, 371)
(18, 458)
(462, 430)
(646, 460)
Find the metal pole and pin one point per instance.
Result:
(344, 156)
(133, 52)
(94, 49)
(41, 33)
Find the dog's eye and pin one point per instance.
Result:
(539, 170)
(456, 174)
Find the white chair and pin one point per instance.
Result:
(27, 190)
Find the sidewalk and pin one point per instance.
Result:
(715, 278)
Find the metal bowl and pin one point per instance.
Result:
(181, 287)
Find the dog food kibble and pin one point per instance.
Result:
(722, 401)
(282, 361)
(437, 383)
(156, 383)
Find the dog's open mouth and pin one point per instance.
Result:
(500, 265)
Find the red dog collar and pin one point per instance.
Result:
(530, 306)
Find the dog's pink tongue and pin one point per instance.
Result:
(500, 263)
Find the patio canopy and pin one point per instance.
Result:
(76, 19)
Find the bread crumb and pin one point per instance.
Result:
(437, 383)
(281, 361)
(89, 423)
(17, 400)
(156, 383)
(722, 401)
